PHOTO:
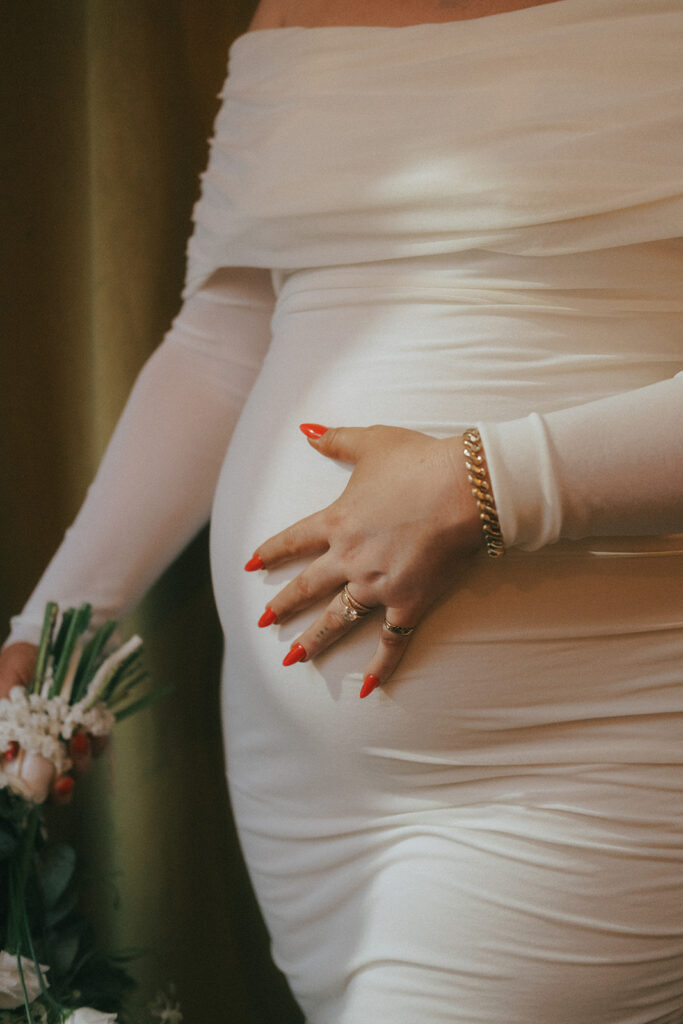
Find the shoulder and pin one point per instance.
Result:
(283, 13)
(269, 14)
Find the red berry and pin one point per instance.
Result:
(79, 744)
(62, 789)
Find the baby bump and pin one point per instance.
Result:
(551, 657)
(530, 660)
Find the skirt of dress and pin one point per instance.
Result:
(497, 834)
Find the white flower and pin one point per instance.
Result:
(165, 1009)
(11, 991)
(86, 1015)
(107, 669)
(30, 775)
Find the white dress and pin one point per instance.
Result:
(466, 223)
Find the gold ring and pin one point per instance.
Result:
(398, 630)
(352, 610)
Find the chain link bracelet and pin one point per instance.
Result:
(478, 476)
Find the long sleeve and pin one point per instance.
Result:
(608, 468)
(154, 488)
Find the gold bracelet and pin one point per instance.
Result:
(478, 476)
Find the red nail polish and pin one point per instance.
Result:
(369, 684)
(297, 653)
(268, 618)
(254, 563)
(313, 430)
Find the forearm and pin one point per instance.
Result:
(155, 485)
(609, 468)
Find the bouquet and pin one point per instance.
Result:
(50, 972)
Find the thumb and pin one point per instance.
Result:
(343, 443)
(17, 664)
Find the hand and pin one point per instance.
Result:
(17, 664)
(397, 536)
(37, 775)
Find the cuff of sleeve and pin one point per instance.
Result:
(24, 629)
(521, 466)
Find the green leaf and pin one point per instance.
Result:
(144, 702)
(64, 906)
(62, 633)
(78, 620)
(57, 864)
(90, 660)
(49, 620)
(123, 670)
(8, 842)
(63, 952)
(102, 982)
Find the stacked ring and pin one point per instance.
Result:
(352, 610)
(398, 630)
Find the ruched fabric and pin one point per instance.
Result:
(471, 222)
(464, 225)
(533, 133)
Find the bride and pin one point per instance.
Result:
(460, 221)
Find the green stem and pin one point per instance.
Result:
(44, 648)
(19, 874)
(27, 1001)
(89, 660)
(144, 702)
(77, 625)
(18, 918)
(41, 980)
(22, 940)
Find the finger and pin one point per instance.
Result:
(395, 636)
(334, 623)
(315, 582)
(306, 537)
(343, 443)
(17, 665)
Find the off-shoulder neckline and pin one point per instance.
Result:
(290, 32)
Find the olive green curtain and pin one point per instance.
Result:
(106, 109)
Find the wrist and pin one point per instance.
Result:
(479, 480)
(463, 508)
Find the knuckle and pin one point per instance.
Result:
(336, 620)
(290, 542)
(324, 632)
(332, 518)
(392, 641)
(302, 588)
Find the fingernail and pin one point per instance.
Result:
(369, 684)
(268, 618)
(254, 563)
(313, 430)
(297, 653)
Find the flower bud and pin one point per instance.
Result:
(79, 745)
(80, 752)
(63, 789)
